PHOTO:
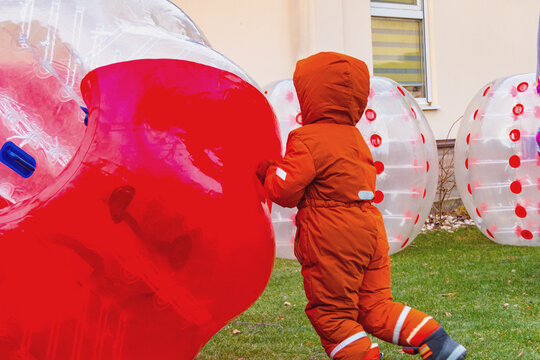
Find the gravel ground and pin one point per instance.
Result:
(446, 222)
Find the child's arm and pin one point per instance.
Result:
(286, 181)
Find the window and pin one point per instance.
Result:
(400, 44)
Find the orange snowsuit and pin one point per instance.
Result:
(328, 173)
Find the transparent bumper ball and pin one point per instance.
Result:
(403, 149)
(48, 46)
(284, 100)
(134, 251)
(119, 232)
(497, 162)
(405, 155)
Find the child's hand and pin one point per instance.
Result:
(262, 168)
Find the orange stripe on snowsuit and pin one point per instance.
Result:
(327, 172)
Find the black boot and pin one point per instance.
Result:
(439, 346)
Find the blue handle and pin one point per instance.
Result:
(86, 115)
(17, 160)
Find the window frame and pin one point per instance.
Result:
(415, 12)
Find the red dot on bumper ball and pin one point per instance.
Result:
(405, 243)
(486, 91)
(526, 234)
(417, 218)
(490, 234)
(371, 115)
(516, 187)
(379, 166)
(427, 166)
(469, 188)
(467, 163)
(514, 161)
(376, 140)
(414, 112)
(475, 114)
(515, 135)
(425, 192)
(478, 213)
(523, 87)
(401, 91)
(298, 118)
(379, 197)
(468, 139)
(518, 109)
(423, 138)
(521, 211)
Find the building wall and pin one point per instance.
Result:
(267, 37)
(471, 41)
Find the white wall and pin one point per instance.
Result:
(267, 37)
(263, 37)
(472, 41)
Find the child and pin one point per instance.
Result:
(328, 173)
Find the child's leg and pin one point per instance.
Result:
(390, 321)
(394, 322)
(332, 269)
(333, 313)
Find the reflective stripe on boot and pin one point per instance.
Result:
(439, 346)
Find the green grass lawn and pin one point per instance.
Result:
(486, 296)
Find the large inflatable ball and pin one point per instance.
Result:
(69, 37)
(48, 46)
(284, 100)
(404, 151)
(497, 162)
(133, 252)
(405, 155)
(122, 186)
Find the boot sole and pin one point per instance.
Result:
(459, 353)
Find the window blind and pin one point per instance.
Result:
(398, 52)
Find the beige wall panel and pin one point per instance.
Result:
(357, 25)
(472, 43)
(267, 37)
(264, 37)
(327, 33)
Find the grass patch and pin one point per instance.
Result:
(485, 295)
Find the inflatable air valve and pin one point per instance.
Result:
(17, 160)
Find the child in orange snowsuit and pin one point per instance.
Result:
(328, 173)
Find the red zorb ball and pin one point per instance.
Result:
(156, 233)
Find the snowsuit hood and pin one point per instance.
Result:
(332, 88)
